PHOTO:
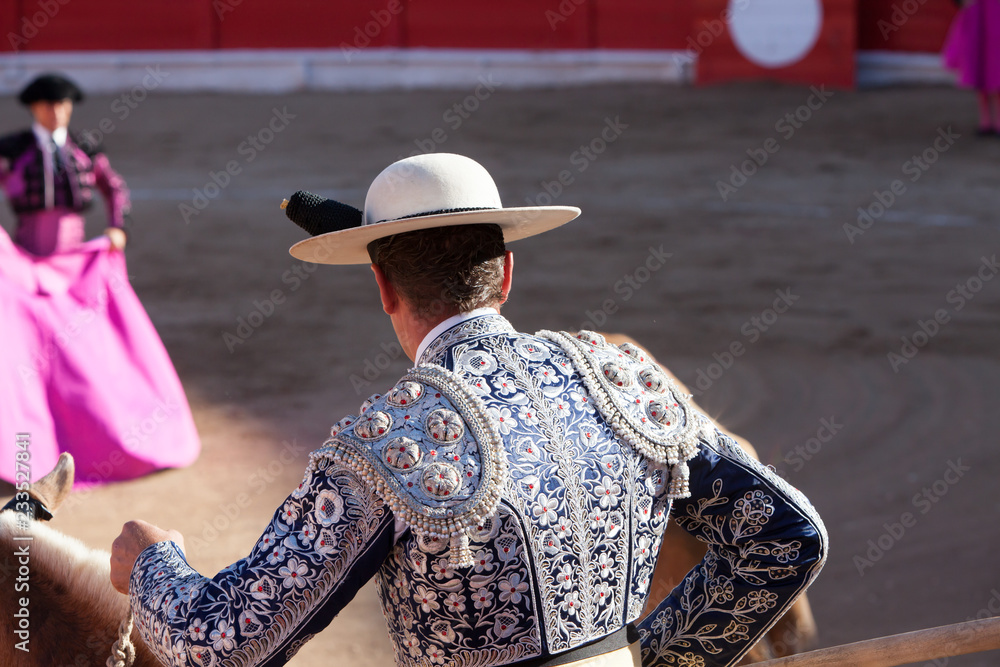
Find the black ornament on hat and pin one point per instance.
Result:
(318, 215)
(50, 88)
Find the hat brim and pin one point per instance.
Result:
(350, 246)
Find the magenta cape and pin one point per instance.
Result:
(83, 370)
(973, 45)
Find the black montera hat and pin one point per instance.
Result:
(50, 88)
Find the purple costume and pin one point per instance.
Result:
(82, 369)
(973, 46)
(48, 201)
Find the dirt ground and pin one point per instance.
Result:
(898, 454)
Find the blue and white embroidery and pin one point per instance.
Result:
(730, 600)
(248, 612)
(535, 475)
(433, 454)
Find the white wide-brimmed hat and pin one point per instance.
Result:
(420, 192)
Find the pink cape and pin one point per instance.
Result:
(973, 45)
(83, 370)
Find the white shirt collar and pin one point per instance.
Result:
(43, 135)
(452, 321)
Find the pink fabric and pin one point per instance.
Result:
(973, 45)
(49, 230)
(112, 186)
(83, 370)
(25, 183)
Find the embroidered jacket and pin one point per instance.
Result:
(509, 494)
(31, 187)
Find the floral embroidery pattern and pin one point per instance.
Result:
(257, 609)
(564, 556)
(751, 574)
(439, 465)
(575, 503)
(436, 352)
(444, 614)
(580, 494)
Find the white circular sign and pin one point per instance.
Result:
(775, 33)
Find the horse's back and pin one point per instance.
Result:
(70, 610)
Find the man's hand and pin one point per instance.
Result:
(117, 237)
(134, 538)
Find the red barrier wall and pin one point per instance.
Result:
(517, 24)
(830, 61)
(62, 25)
(308, 24)
(9, 16)
(111, 25)
(643, 24)
(904, 25)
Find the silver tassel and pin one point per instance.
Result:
(679, 488)
(461, 554)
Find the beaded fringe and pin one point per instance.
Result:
(451, 522)
(673, 448)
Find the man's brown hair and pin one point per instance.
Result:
(444, 270)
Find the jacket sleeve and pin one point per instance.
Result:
(113, 189)
(12, 146)
(766, 544)
(327, 539)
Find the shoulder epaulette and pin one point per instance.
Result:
(432, 453)
(643, 405)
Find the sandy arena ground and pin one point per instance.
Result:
(812, 387)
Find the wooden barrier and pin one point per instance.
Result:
(904, 649)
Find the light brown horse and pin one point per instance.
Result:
(59, 608)
(794, 633)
